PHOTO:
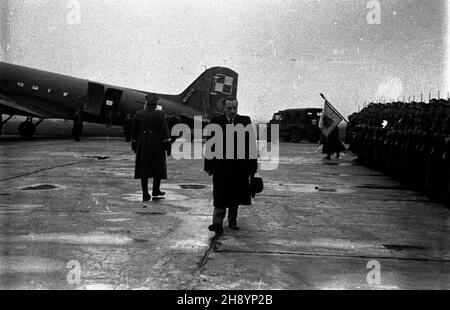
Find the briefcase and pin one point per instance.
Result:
(256, 185)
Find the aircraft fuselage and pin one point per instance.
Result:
(41, 94)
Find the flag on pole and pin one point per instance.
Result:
(330, 118)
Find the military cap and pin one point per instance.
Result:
(434, 101)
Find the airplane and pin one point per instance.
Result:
(42, 95)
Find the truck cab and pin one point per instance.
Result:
(298, 124)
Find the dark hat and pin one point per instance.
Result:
(151, 97)
(256, 185)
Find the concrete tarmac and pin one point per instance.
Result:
(71, 217)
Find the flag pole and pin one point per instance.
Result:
(337, 112)
(333, 108)
(318, 148)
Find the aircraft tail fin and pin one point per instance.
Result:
(207, 92)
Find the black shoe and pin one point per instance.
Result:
(158, 193)
(158, 198)
(216, 228)
(146, 197)
(233, 226)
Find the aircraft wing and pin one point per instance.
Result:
(12, 106)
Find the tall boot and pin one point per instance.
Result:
(232, 217)
(156, 191)
(145, 194)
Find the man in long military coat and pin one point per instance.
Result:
(150, 141)
(231, 174)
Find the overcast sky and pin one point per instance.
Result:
(286, 52)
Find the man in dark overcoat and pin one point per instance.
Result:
(231, 174)
(150, 141)
(77, 124)
(127, 126)
(332, 143)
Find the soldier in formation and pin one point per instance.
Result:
(408, 141)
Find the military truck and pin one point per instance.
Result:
(298, 124)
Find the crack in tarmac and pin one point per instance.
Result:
(32, 145)
(334, 255)
(13, 211)
(200, 265)
(58, 166)
(41, 170)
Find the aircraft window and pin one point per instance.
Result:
(21, 84)
(278, 117)
(35, 87)
(65, 94)
(189, 94)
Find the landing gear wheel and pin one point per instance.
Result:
(295, 136)
(27, 130)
